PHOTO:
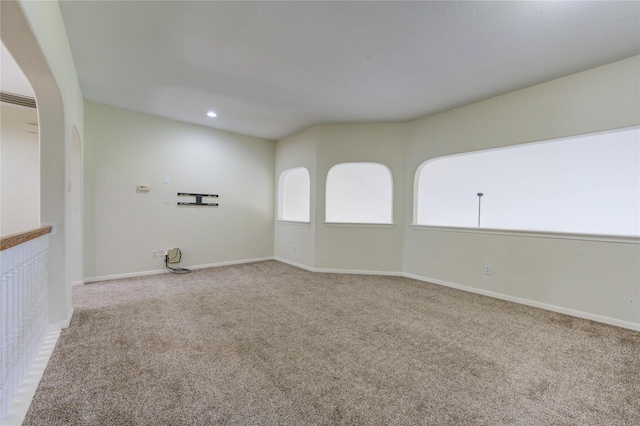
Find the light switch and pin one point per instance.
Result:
(166, 179)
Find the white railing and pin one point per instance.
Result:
(24, 304)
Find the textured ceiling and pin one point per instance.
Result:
(270, 69)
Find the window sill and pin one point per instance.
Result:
(292, 222)
(625, 239)
(361, 225)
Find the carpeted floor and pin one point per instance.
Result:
(266, 344)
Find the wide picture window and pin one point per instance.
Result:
(586, 184)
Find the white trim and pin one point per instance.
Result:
(359, 272)
(76, 283)
(361, 224)
(61, 325)
(164, 271)
(297, 265)
(26, 392)
(339, 271)
(231, 262)
(541, 305)
(127, 275)
(624, 239)
(293, 222)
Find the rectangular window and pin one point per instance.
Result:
(584, 184)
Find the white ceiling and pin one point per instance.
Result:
(270, 69)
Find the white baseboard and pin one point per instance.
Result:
(339, 271)
(533, 303)
(359, 272)
(76, 283)
(127, 275)
(164, 271)
(297, 265)
(232, 262)
(61, 325)
(22, 400)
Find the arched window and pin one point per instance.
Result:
(294, 191)
(359, 193)
(585, 184)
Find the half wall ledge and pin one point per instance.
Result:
(22, 237)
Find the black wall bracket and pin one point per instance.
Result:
(198, 199)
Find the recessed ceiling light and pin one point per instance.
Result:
(211, 114)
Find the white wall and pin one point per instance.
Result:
(322, 246)
(295, 242)
(20, 169)
(75, 208)
(35, 35)
(124, 149)
(361, 248)
(595, 277)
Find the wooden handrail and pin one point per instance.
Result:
(22, 237)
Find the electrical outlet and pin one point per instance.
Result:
(487, 269)
(155, 253)
(295, 248)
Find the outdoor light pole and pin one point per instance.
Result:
(480, 194)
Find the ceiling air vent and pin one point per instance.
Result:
(20, 100)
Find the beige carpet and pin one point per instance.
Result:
(268, 344)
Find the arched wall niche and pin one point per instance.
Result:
(294, 192)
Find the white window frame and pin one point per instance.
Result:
(330, 218)
(283, 195)
(569, 233)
